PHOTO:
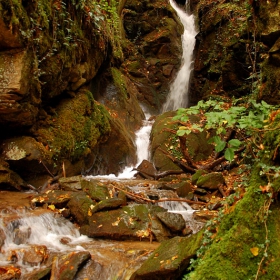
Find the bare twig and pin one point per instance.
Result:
(266, 207)
(181, 164)
(40, 161)
(133, 195)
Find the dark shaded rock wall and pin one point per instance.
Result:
(71, 78)
(236, 53)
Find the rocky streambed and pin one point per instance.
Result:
(97, 228)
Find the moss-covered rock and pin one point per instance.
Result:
(95, 189)
(130, 222)
(163, 137)
(170, 259)
(80, 206)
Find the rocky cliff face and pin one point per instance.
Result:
(236, 50)
(71, 79)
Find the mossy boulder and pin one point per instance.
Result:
(80, 206)
(163, 137)
(69, 264)
(129, 222)
(170, 259)
(95, 189)
(211, 181)
(108, 204)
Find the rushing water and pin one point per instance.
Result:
(30, 235)
(178, 95)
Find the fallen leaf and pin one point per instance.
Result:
(265, 189)
(52, 207)
(89, 212)
(255, 251)
(174, 258)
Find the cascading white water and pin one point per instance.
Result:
(46, 229)
(178, 95)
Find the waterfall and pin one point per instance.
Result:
(178, 95)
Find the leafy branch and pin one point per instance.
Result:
(235, 124)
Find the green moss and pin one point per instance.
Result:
(229, 254)
(120, 82)
(78, 125)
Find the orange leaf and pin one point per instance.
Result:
(255, 251)
(265, 189)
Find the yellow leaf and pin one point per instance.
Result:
(182, 128)
(52, 207)
(116, 223)
(255, 251)
(174, 258)
(89, 212)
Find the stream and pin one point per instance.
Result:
(25, 231)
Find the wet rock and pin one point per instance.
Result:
(2, 237)
(95, 189)
(118, 151)
(9, 273)
(130, 222)
(108, 204)
(71, 183)
(92, 268)
(38, 274)
(35, 255)
(202, 198)
(66, 267)
(55, 197)
(200, 191)
(25, 154)
(175, 222)
(159, 230)
(10, 180)
(80, 207)
(183, 189)
(197, 174)
(211, 181)
(145, 170)
(170, 259)
(204, 215)
(21, 235)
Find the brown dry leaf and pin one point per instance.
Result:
(255, 251)
(174, 258)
